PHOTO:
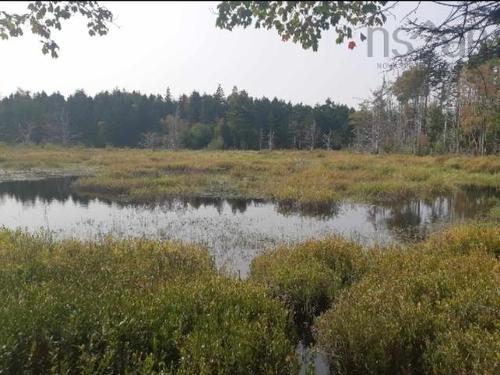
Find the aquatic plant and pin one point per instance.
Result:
(133, 306)
(466, 238)
(309, 276)
(319, 177)
(431, 309)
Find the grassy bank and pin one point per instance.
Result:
(286, 176)
(432, 308)
(133, 307)
(138, 306)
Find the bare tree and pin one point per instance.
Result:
(311, 135)
(270, 140)
(175, 127)
(328, 139)
(476, 20)
(63, 130)
(153, 140)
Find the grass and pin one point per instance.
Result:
(286, 176)
(465, 239)
(140, 306)
(434, 308)
(417, 313)
(133, 307)
(308, 277)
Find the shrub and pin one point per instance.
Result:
(132, 307)
(494, 212)
(417, 312)
(466, 238)
(309, 276)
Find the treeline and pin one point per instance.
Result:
(131, 119)
(435, 106)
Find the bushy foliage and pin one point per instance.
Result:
(139, 306)
(132, 307)
(467, 238)
(434, 309)
(308, 277)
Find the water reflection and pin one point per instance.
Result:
(238, 205)
(46, 190)
(318, 210)
(412, 219)
(234, 230)
(59, 190)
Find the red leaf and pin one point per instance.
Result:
(351, 45)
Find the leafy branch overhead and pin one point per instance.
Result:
(43, 17)
(302, 21)
(474, 20)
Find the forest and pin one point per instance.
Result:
(442, 96)
(131, 119)
(435, 106)
(431, 107)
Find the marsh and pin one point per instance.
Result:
(234, 230)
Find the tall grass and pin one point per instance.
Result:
(132, 307)
(432, 309)
(308, 277)
(465, 239)
(302, 177)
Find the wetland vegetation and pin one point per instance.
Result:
(287, 176)
(147, 233)
(118, 302)
(161, 307)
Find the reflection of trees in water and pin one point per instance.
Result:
(404, 218)
(410, 219)
(471, 201)
(197, 202)
(237, 205)
(317, 210)
(59, 190)
(47, 190)
(240, 205)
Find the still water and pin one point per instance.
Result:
(233, 230)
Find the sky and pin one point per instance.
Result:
(155, 45)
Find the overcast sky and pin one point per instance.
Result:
(155, 45)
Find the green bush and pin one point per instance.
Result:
(417, 312)
(138, 306)
(132, 307)
(466, 238)
(309, 276)
(494, 212)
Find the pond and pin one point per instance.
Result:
(234, 230)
